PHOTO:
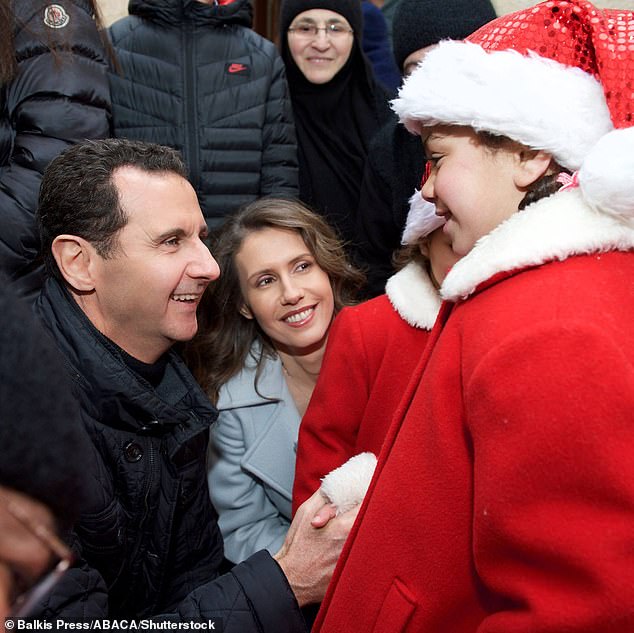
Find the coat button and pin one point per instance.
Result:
(133, 452)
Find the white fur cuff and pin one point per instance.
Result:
(346, 486)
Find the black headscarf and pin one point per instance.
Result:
(335, 121)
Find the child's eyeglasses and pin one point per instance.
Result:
(426, 174)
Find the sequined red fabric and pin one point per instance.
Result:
(574, 33)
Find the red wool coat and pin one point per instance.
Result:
(372, 351)
(503, 501)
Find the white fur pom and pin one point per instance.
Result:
(346, 486)
(606, 177)
(421, 219)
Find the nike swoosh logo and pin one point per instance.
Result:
(236, 68)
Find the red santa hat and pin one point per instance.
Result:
(558, 77)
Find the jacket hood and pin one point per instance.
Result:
(171, 12)
(553, 228)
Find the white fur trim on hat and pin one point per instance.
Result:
(421, 219)
(536, 101)
(346, 486)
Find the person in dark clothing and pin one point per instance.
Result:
(53, 93)
(337, 103)
(378, 48)
(396, 160)
(193, 75)
(122, 233)
(44, 457)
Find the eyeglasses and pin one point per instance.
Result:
(426, 174)
(23, 605)
(309, 31)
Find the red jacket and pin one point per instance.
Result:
(503, 501)
(372, 350)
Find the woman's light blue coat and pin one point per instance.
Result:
(252, 470)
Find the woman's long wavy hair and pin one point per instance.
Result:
(8, 62)
(225, 337)
(7, 54)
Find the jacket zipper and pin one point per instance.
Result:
(191, 133)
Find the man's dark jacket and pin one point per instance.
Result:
(194, 76)
(149, 529)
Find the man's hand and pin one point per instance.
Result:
(312, 547)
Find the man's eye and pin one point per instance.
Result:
(173, 241)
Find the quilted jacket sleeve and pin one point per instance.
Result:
(253, 597)
(59, 96)
(279, 159)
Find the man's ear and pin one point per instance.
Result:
(245, 311)
(532, 165)
(74, 256)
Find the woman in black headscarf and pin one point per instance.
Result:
(337, 103)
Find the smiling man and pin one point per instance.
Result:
(122, 233)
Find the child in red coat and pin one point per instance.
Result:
(372, 350)
(503, 500)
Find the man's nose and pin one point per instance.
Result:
(204, 265)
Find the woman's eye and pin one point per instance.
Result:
(265, 281)
(303, 266)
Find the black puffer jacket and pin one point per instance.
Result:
(195, 76)
(58, 97)
(149, 528)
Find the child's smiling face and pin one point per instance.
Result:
(474, 187)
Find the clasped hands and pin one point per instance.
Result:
(312, 547)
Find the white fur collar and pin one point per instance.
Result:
(413, 296)
(553, 228)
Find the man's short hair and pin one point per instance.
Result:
(46, 452)
(78, 195)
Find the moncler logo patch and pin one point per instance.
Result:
(237, 69)
(55, 16)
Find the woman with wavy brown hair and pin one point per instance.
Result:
(263, 330)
